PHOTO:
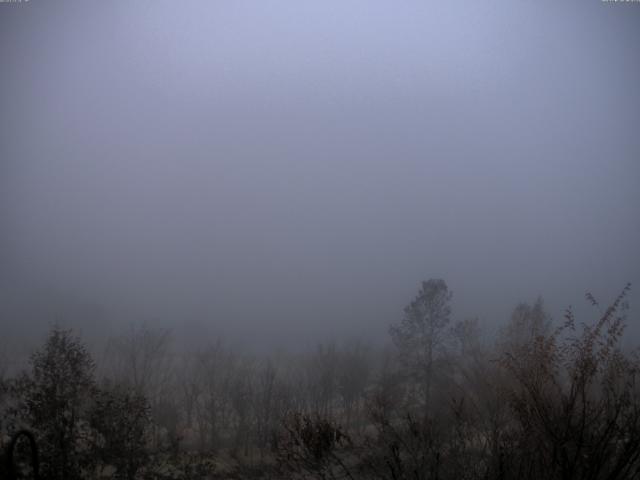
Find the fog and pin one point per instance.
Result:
(282, 172)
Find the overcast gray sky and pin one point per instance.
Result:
(281, 171)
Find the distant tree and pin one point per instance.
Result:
(4, 397)
(4, 394)
(353, 377)
(527, 323)
(4, 363)
(466, 336)
(240, 396)
(322, 379)
(214, 372)
(165, 413)
(388, 390)
(190, 388)
(141, 359)
(422, 333)
(269, 404)
(53, 401)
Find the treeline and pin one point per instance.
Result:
(543, 400)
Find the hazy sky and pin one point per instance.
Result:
(281, 171)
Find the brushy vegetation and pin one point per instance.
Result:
(543, 401)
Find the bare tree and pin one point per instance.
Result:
(141, 359)
(421, 334)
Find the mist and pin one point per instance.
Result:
(347, 239)
(280, 172)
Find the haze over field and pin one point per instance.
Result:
(280, 172)
(312, 240)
